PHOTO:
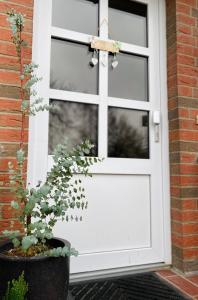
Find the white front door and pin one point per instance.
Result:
(116, 103)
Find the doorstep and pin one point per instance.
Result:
(187, 284)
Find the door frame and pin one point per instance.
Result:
(35, 149)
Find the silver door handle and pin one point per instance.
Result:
(156, 122)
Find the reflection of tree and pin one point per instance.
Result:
(72, 121)
(125, 140)
(61, 85)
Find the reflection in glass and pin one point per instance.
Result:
(128, 133)
(70, 68)
(73, 122)
(129, 79)
(77, 15)
(133, 27)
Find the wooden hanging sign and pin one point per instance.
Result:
(110, 46)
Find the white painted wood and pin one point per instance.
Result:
(73, 96)
(146, 178)
(70, 35)
(117, 193)
(117, 272)
(118, 166)
(132, 104)
(164, 133)
(38, 138)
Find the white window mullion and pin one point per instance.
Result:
(103, 81)
(74, 96)
(70, 35)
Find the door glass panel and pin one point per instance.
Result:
(76, 15)
(128, 133)
(133, 27)
(129, 79)
(74, 122)
(71, 69)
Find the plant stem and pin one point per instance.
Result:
(23, 116)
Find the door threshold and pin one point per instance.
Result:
(117, 272)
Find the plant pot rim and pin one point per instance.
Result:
(29, 258)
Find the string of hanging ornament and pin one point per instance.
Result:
(105, 45)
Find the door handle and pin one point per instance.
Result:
(156, 123)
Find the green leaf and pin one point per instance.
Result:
(16, 242)
(28, 241)
(14, 205)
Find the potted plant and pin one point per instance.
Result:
(34, 251)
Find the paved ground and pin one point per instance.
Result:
(187, 284)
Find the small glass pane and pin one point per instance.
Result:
(76, 15)
(133, 27)
(71, 69)
(73, 122)
(129, 79)
(128, 133)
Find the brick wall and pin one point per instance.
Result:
(10, 118)
(182, 41)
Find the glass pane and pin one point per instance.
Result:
(133, 28)
(128, 133)
(71, 69)
(77, 15)
(73, 122)
(129, 79)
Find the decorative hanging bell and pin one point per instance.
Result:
(114, 63)
(94, 59)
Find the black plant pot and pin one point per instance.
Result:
(47, 277)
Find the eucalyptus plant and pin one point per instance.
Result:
(38, 209)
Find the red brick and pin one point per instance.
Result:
(188, 135)
(11, 135)
(185, 91)
(194, 278)
(189, 204)
(190, 228)
(176, 215)
(195, 92)
(184, 285)
(187, 70)
(27, 11)
(188, 157)
(12, 120)
(6, 196)
(189, 180)
(9, 49)
(190, 216)
(184, 9)
(8, 213)
(9, 77)
(188, 2)
(23, 2)
(184, 29)
(186, 19)
(189, 169)
(9, 63)
(10, 105)
(186, 49)
(183, 112)
(6, 35)
(190, 253)
(186, 60)
(166, 273)
(4, 23)
(188, 124)
(186, 39)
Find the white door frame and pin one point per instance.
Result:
(38, 156)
